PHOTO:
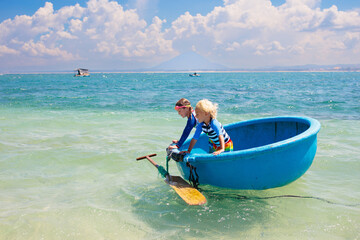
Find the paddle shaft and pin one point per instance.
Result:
(148, 157)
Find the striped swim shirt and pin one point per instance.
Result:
(213, 130)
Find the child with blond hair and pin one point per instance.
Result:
(219, 140)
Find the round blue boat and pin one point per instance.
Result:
(268, 153)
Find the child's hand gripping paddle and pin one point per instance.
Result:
(187, 192)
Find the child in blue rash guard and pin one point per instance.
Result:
(219, 140)
(184, 109)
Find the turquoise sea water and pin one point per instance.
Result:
(68, 148)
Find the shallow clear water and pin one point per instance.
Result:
(68, 147)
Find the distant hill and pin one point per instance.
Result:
(313, 68)
(189, 61)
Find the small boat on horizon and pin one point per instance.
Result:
(194, 74)
(81, 72)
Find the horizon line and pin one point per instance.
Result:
(182, 71)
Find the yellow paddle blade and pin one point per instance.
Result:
(187, 192)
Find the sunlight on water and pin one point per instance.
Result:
(69, 172)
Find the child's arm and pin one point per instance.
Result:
(173, 146)
(192, 144)
(190, 124)
(194, 139)
(222, 146)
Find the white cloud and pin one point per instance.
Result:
(4, 50)
(239, 33)
(75, 25)
(101, 30)
(123, 33)
(64, 34)
(39, 49)
(252, 32)
(232, 46)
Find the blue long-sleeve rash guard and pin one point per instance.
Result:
(213, 130)
(190, 124)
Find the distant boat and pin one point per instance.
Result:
(194, 75)
(81, 72)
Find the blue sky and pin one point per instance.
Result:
(168, 9)
(105, 34)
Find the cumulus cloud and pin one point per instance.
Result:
(4, 50)
(101, 30)
(244, 33)
(39, 49)
(239, 33)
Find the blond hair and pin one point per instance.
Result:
(208, 107)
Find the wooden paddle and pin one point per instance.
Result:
(187, 192)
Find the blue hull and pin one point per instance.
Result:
(268, 153)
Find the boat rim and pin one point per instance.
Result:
(314, 128)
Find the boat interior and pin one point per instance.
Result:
(255, 134)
